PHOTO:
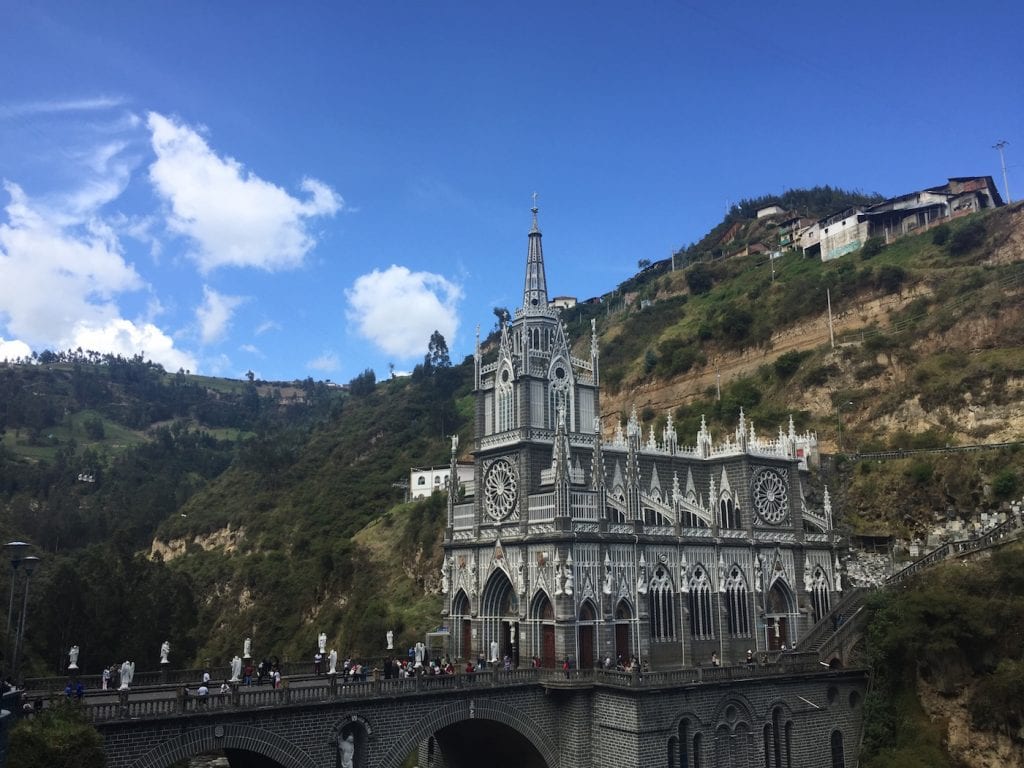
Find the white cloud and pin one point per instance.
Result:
(60, 272)
(14, 349)
(267, 325)
(234, 217)
(326, 361)
(125, 338)
(56, 106)
(51, 278)
(398, 309)
(214, 315)
(252, 349)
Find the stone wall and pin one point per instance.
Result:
(563, 724)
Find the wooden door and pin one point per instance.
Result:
(467, 640)
(586, 640)
(622, 642)
(547, 645)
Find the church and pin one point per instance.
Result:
(565, 545)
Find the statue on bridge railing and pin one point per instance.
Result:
(391, 640)
(73, 657)
(127, 673)
(165, 651)
(236, 669)
(247, 648)
(321, 642)
(347, 751)
(332, 668)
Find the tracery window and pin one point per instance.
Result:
(505, 402)
(737, 611)
(728, 514)
(820, 602)
(661, 606)
(701, 624)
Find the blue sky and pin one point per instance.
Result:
(311, 189)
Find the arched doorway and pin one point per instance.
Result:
(623, 631)
(779, 607)
(461, 618)
(499, 611)
(585, 635)
(542, 624)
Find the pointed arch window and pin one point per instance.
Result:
(728, 512)
(661, 606)
(701, 624)
(560, 395)
(736, 608)
(505, 402)
(820, 600)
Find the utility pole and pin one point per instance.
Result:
(999, 145)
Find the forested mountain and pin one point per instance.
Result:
(172, 506)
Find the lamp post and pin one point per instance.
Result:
(29, 564)
(16, 551)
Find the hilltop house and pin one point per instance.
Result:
(848, 230)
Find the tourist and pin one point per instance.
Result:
(318, 659)
(714, 660)
(105, 677)
(203, 690)
(247, 673)
(566, 667)
(277, 678)
(470, 669)
(750, 658)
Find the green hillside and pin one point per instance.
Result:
(201, 510)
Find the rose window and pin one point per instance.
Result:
(771, 499)
(500, 489)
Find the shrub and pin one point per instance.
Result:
(787, 364)
(967, 238)
(940, 234)
(890, 278)
(921, 472)
(699, 279)
(1005, 484)
(872, 247)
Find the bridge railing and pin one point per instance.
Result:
(250, 698)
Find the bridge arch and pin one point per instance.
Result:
(497, 711)
(242, 737)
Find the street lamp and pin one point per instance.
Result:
(29, 564)
(16, 551)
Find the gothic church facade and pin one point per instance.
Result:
(565, 545)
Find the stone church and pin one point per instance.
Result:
(566, 545)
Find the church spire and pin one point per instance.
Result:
(535, 291)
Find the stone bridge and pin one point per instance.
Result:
(792, 712)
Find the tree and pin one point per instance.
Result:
(700, 279)
(437, 352)
(364, 383)
(643, 264)
(57, 735)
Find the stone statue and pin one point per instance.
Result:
(421, 651)
(333, 659)
(73, 657)
(512, 633)
(236, 669)
(322, 642)
(347, 751)
(165, 651)
(391, 640)
(494, 651)
(247, 648)
(444, 576)
(127, 673)
(520, 579)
